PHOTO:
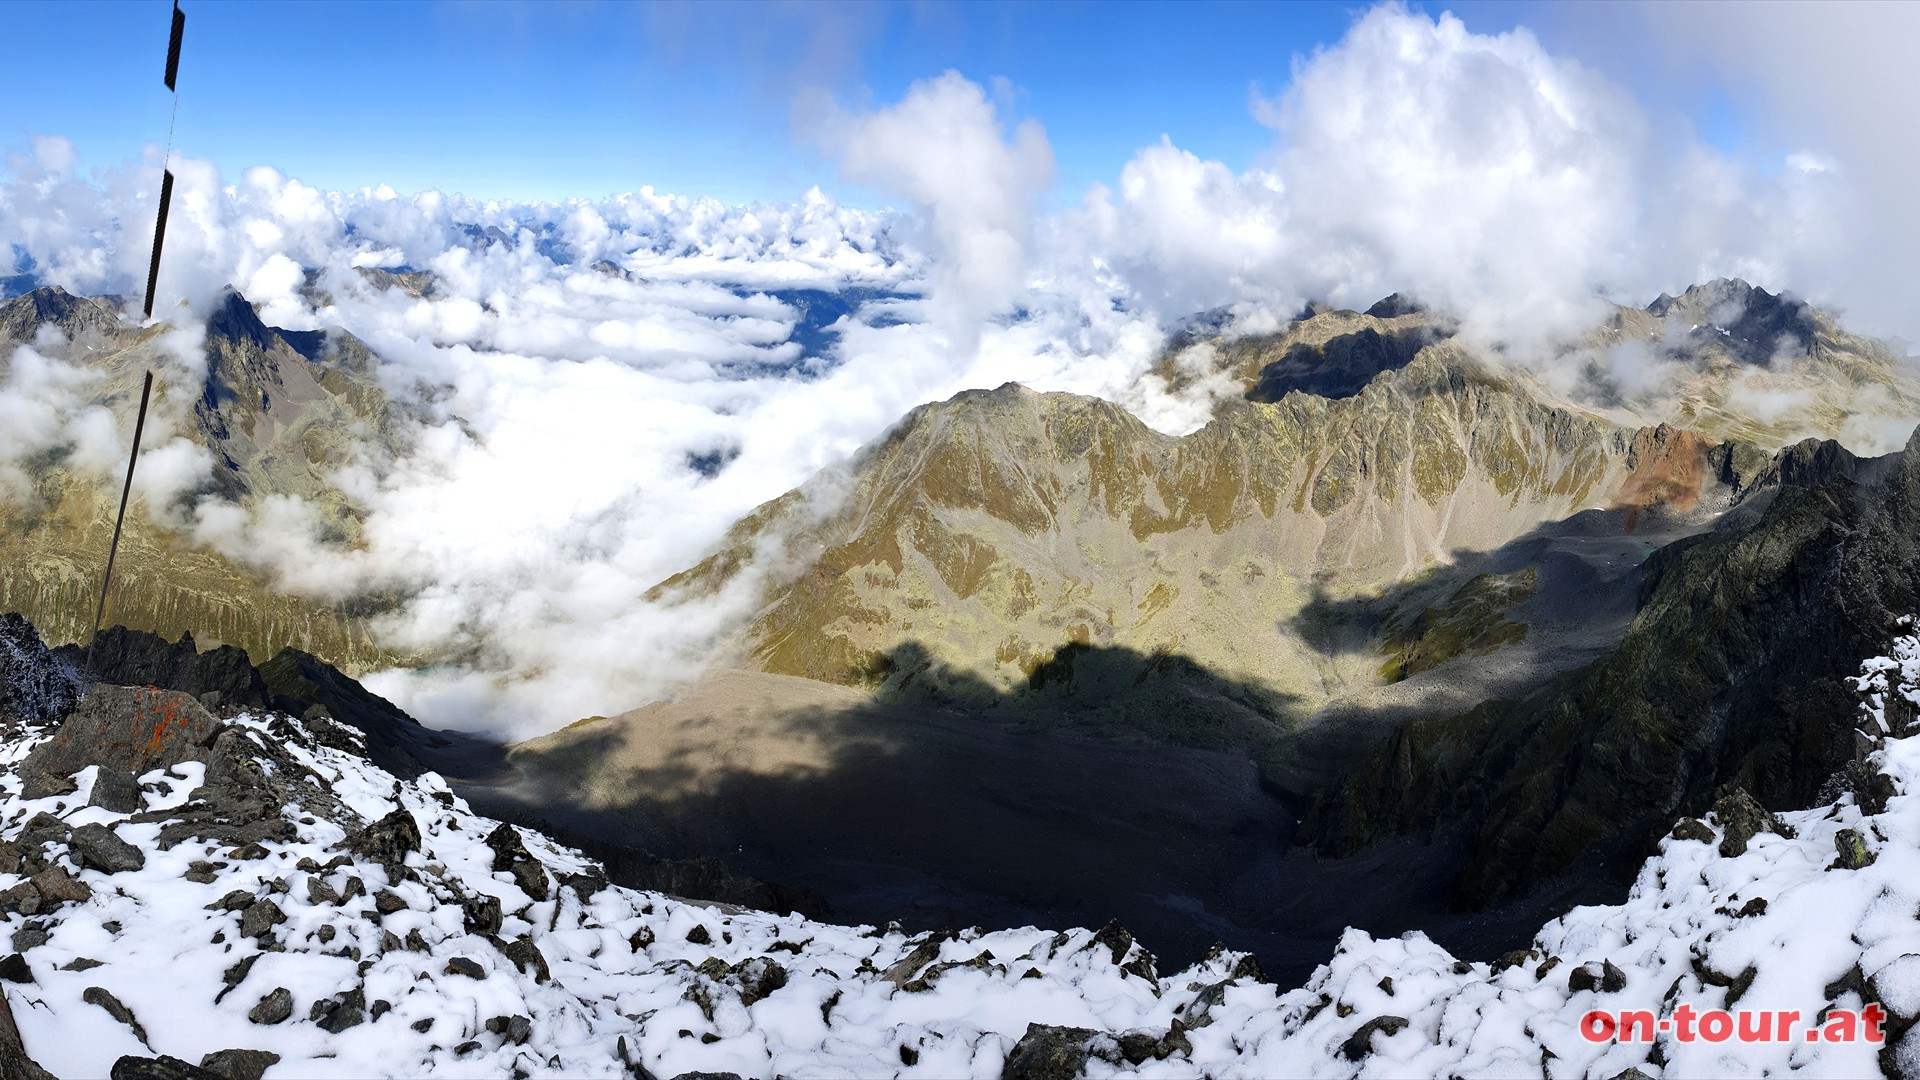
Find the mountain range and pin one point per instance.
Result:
(1403, 604)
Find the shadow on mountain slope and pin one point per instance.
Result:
(1734, 672)
(1726, 667)
(935, 816)
(1342, 366)
(1113, 691)
(1007, 813)
(1487, 625)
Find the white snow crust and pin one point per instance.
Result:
(624, 972)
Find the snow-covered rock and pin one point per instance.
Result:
(276, 903)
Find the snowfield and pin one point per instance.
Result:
(376, 926)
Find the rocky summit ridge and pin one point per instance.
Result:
(984, 535)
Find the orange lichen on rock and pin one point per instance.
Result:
(124, 730)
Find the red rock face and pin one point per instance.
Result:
(1667, 467)
(123, 729)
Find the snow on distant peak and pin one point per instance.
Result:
(378, 927)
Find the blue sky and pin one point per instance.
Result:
(561, 99)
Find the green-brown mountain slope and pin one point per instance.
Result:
(1490, 634)
(990, 539)
(279, 410)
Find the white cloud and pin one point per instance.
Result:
(1832, 83)
(1481, 174)
(945, 148)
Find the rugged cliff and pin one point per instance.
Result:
(1733, 673)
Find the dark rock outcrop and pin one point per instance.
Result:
(511, 855)
(53, 886)
(274, 1008)
(115, 791)
(756, 978)
(137, 658)
(482, 914)
(1116, 939)
(1047, 1052)
(389, 840)
(159, 1068)
(97, 847)
(527, 957)
(1852, 851)
(95, 995)
(1603, 977)
(514, 1029)
(461, 965)
(340, 1012)
(35, 684)
(248, 780)
(1741, 819)
(1693, 829)
(1360, 1043)
(293, 682)
(396, 742)
(14, 1062)
(239, 1064)
(122, 729)
(259, 919)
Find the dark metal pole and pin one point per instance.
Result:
(113, 548)
(159, 236)
(173, 43)
(166, 174)
(153, 279)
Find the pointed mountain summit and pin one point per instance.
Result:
(284, 408)
(1757, 325)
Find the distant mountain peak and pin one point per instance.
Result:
(234, 317)
(50, 305)
(1757, 324)
(1394, 306)
(1710, 293)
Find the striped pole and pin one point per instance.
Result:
(166, 171)
(153, 280)
(126, 491)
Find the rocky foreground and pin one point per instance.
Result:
(192, 891)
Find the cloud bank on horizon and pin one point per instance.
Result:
(590, 433)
